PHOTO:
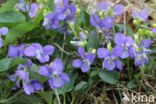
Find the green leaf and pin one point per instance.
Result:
(50, 4)
(86, 87)
(153, 48)
(80, 19)
(28, 99)
(69, 86)
(47, 96)
(94, 73)
(12, 17)
(131, 84)
(111, 77)
(92, 42)
(120, 28)
(8, 63)
(80, 85)
(150, 63)
(8, 5)
(19, 30)
(129, 30)
(34, 68)
(37, 76)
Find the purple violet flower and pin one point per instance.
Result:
(117, 8)
(125, 41)
(3, 31)
(14, 51)
(1, 42)
(54, 71)
(51, 21)
(13, 77)
(103, 6)
(145, 43)
(143, 14)
(111, 58)
(140, 57)
(65, 30)
(30, 84)
(41, 53)
(18, 51)
(33, 8)
(106, 23)
(85, 62)
(67, 12)
(154, 30)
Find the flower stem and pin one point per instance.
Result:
(129, 71)
(73, 30)
(64, 97)
(58, 98)
(6, 100)
(63, 45)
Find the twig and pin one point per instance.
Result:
(116, 102)
(125, 28)
(67, 53)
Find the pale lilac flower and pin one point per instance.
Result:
(143, 14)
(81, 41)
(125, 41)
(111, 58)
(85, 62)
(30, 84)
(55, 71)
(41, 53)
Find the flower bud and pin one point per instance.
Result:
(45, 12)
(81, 43)
(78, 11)
(153, 24)
(93, 51)
(109, 47)
(151, 33)
(136, 37)
(100, 13)
(136, 21)
(139, 30)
